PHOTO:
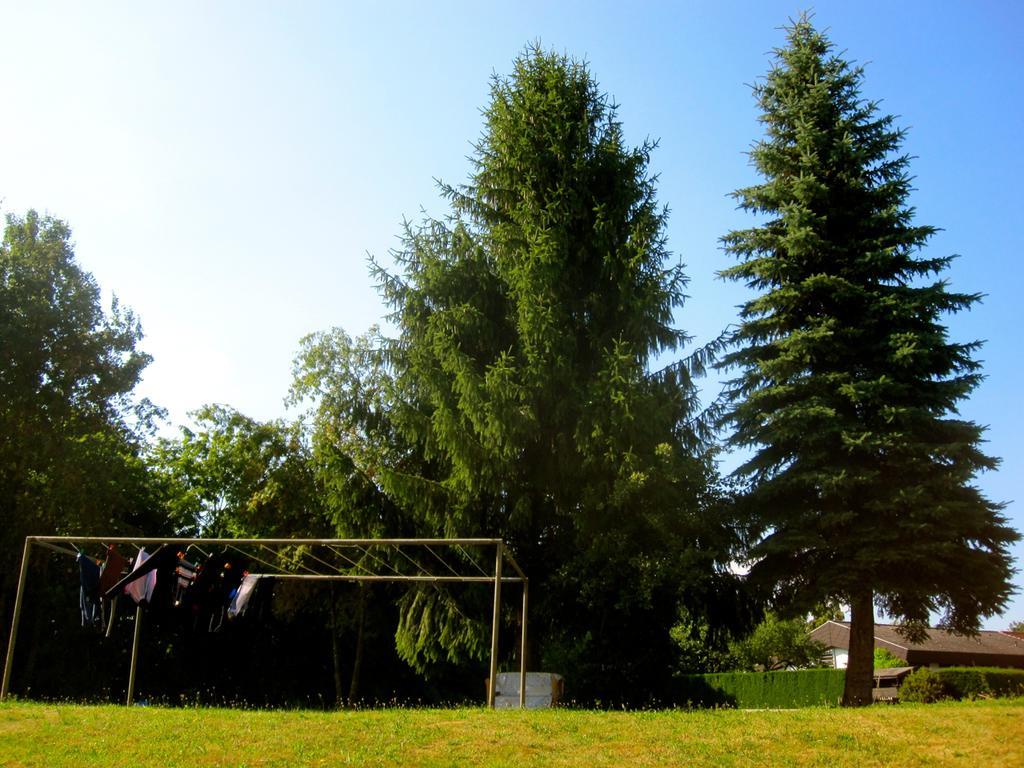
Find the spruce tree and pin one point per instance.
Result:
(527, 323)
(861, 471)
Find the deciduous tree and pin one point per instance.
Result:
(777, 644)
(71, 433)
(232, 475)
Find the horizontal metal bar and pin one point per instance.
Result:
(273, 542)
(363, 577)
(51, 542)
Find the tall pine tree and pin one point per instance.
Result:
(527, 324)
(861, 477)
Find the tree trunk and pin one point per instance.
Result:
(860, 663)
(339, 699)
(357, 662)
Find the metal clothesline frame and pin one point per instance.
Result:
(400, 545)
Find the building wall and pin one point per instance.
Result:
(840, 657)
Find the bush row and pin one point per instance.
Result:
(927, 685)
(815, 687)
(763, 690)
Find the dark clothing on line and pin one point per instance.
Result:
(88, 593)
(184, 577)
(112, 569)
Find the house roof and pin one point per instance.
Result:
(892, 672)
(941, 647)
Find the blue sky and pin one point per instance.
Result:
(227, 167)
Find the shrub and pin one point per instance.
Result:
(964, 683)
(922, 686)
(976, 682)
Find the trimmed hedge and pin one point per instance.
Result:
(763, 690)
(975, 682)
(815, 687)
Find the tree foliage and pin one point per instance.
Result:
(848, 384)
(71, 434)
(355, 442)
(518, 400)
(352, 398)
(700, 647)
(827, 610)
(235, 476)
(777, 644)
(884, 659)
(70, 430)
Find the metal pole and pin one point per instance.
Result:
(135, 655)
(494, 625)
(522, 649)
(17, 616)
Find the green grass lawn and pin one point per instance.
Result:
(982, 733)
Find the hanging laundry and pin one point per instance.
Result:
(110, 573)
(113, 567)
(140, 588)
(184, 577)
(144, 571)
(243, 595)
(215, 586)
(88, 593)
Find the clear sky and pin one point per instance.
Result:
(226, 167)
